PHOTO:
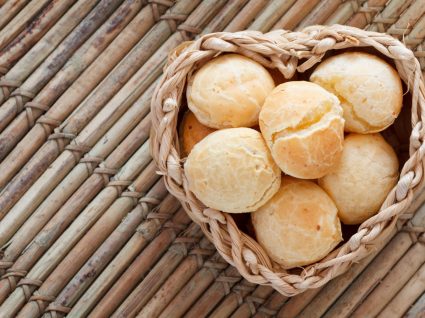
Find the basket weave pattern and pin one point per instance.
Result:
(289, 52)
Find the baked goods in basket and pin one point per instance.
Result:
(369, 89)
(298, 225)
(362, 179)
(303, 126)
(232, 170)
(192, 132)
(228, 91)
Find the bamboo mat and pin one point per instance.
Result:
(87, 227)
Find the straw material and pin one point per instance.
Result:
(49, 203)
(236, 247)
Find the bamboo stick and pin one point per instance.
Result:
(272, 305)
(9, 10)
(226, 14)
(344, 12)
(141, 264)
(72, 234)
(393, 281)
(367, 12)
(392, 12)
(58, 198)
(416, 37)
(85, 276)
(55, 61)
(159, 273)
(270, 15)
(320, 13)
(246, 16)
(191, 264)
(371, 276)
(12, 221)
(295, 14)
(88, 244)
(414, 288)
(39, 25)
(17, 24)
(69, 101)
(145, 232)
(233, 300)
(91, 133)
(198, 283)
(82, 58)
(407, 20)
(74, 205)
(213, 295)
(252, 302)
(43, 48)
(417, 308)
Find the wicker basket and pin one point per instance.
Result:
(290, 52)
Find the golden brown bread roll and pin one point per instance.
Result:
(369, 89)
(232, 170)
(303, 126)
(228, 91)
(362, 179)
(298, 225)
(192, 132)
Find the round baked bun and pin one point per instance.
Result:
(232, 170)
(362, 179)
(228, 91)
(299, 225)
(303, 126)
(192, 132)
(369, 90)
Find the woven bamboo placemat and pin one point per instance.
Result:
(87, 227)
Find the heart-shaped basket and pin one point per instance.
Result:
(289, 52)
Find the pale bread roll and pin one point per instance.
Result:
(192, 132)
(299, 225)
(232, 170)
(229, 91)
(362, 179)
(369, 90)
(303, 126)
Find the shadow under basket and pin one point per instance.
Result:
(293, 54)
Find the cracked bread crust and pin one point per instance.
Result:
(362, 179)
(232, 170)
(368, 88)
(304, 129)
(299, 225)
(229, 91)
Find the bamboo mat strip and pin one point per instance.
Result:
(295, 14)
(89, 78)
(33, 32)
(9, 9)
(20, 214)
(417, 308)
(270, 15)
(82, 58)
(320, 13)
(36, 54)
(44, 72)
(17, 24)
(144, 233)
(226, 294)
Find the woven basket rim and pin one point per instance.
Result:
(283, 49)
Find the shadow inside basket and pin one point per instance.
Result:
(397, 135)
